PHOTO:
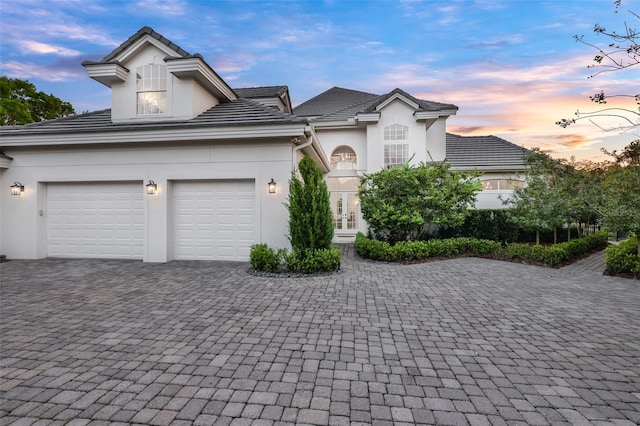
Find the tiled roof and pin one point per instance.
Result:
(261, 92)
(485, 153)
(338, 104)
(241, 112)
(141, 32)
(331, 101)
(424, 105)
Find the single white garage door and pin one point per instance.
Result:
(214, 220)
(103, 220)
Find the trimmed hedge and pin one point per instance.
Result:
(308, 261)
(558, 253)
(411, 251)
(623, 258)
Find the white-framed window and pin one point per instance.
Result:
(501, 184)
(151, 89)
(396, 132)
(396, 153)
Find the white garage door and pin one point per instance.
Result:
(214, 220)
(103, 220)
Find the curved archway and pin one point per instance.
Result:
(343, 158)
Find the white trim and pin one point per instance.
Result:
(491, 168)
(428, 115)
(5, 162)
(370, 117)
(156, 135)
(198, 69)
(107, 74)
(400, 97)
(139, 44)
(329, 125)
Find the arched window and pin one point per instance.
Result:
(396, 132)
(396, 153)
(343, 158)
(151, 88)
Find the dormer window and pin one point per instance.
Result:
(151, 88)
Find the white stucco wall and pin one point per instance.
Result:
(23, 229)
(355, 138)
(425, 143)
(436, 140)
(491, 199)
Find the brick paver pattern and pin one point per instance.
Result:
(455, 342)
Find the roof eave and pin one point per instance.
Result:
(195, 67)
(490, 168)
(165, 134)
(430, 115)
(106, 73)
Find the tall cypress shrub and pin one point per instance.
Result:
(310, 217)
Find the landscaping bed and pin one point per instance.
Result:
(420, 251)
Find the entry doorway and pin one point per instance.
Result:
(344, 206)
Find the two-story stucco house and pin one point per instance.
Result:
(182, 166)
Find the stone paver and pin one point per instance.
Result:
(460, 342)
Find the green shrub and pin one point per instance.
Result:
(410, 251)
(485, 224)
(309, 261)
(623, 258)
(374, 249)
(264, 258)
(558, 253)
(292, 261)
(328, 259)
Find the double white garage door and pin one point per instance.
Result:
(212, 220)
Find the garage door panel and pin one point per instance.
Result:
(95, 220)
(209, 222)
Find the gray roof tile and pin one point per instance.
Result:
(241, 112)
(261, 92)
(485, 153)
(334, 99)
(338, 104)
(141, 32)
(424, 105)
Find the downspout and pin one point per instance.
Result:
(297, 148)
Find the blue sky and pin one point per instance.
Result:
(512, 67)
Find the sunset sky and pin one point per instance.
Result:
(512, 67)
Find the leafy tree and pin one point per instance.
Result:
(621, 191)
(21, 103)
(543, 204)
(398, 202)
(622, 51)
(537, 206)
(310, 217)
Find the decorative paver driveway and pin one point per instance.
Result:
(463, 341)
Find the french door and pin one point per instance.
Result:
(344, 206)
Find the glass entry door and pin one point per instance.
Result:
(344, 206)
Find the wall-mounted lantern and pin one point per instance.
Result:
(17, 188)
(272, 186)
(152, 188)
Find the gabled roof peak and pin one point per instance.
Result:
(146, 30)
(422, 104)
